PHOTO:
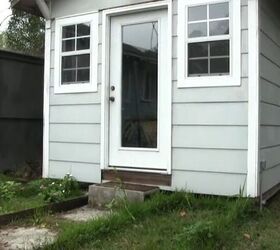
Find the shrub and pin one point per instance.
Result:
(9, 189)
(57, 190)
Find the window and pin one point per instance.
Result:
(76, 54)
(209, 35)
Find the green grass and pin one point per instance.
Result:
(160, 232)
(16, 196)
(167, 221)
(20, 203)
(263, 229)
(173, 221)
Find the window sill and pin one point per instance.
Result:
(74, 88)
(205, 82)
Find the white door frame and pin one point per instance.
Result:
(107, 14)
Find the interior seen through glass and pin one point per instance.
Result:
(139, 104)
(209, 58)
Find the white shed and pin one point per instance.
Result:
(182, 94)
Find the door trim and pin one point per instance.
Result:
(107, 14)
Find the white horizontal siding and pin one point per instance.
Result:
(271, 155)
(209, 95)
(74, 130)
(211, 137)
(209, 183)
(210, 113)
(271, 177)
(85, 172)
(75, 152)
(210, 160)
(210, 133)
(75, 133)
(76, 98)
(270, 94)
(75, 113)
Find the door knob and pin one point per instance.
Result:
(112, 98)
(113, 88)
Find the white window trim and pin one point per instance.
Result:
(78, 87)
(234, 78)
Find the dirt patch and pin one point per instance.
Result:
(84, 214)
(25, 238)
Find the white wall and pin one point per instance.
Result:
(210, 129)
(270, 93)
(209, 125)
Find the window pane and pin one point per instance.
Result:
(197, 29)
(83, 29)
(68, 62)
(68, 45)
(198, 50)
(197, 13)
(219, 66)
(139, 119)
(83, 75)
(83, 43)
(219, 28)
(83, 61)
(198, 67)
(68, 31)
(219, 48)
(219, 10)
(68, 76)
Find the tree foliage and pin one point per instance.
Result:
(2, 40)
(25, 33)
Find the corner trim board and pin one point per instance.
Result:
(254, 100)
(46, 100)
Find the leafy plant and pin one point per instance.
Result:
(54, 191)
(9, 189)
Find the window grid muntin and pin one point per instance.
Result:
(209, 57)
(75, 53)
(208, 38)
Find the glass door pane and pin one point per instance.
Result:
(139, 109)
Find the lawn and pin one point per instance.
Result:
(178, 221)
(16, 195)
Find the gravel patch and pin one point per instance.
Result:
(25, 238)
(84, 214)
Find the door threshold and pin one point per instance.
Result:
(135, 169)
(149, 178)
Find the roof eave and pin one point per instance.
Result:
(28, 6)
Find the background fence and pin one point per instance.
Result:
(21, 110)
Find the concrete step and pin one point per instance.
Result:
(102, 194)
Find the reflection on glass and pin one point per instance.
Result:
(197, 13)
(218, 10)
(219, 48)
(209, 58)
(83, 43)
(75, 69)
(68, 31)
(219, 28)
(68, 45)
(197, 30)
(83, 29)
(139, 85)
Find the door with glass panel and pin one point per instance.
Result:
(139, 87)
